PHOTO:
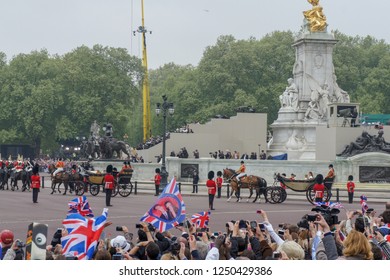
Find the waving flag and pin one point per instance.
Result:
(80, 205)
(331, 205)
(201, 219)
(169, 209)
(363, 202)
(83, 234)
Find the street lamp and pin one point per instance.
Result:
(164, 107)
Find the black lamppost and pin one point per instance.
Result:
(165, 106)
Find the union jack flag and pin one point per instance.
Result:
(363, 202)
(201, 219)
(80, 205)
(336, 205)
(83, 235)
(168, 211)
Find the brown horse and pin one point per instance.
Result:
(60, 178)
(248, 182)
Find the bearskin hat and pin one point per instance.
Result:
(210, 175)
(35, 169)
(319, 179)
(109, 168)
(157, 170)
(219, 173)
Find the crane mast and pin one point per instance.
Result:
(147, 129)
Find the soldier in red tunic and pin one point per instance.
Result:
(35, 183)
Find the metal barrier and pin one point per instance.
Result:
(136, 185)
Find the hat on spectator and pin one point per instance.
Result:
(120, 241)
(6, 237)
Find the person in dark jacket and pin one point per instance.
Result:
(195, 181)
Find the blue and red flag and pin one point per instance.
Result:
(332, 205)
(80, 205)
(201, 219)
(168, 211)
(83, 235)
(363, 202)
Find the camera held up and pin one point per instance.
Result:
(329, 214)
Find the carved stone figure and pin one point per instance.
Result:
(318, 105)
(339, 95)
(296, 142)
(109, 130)
(289, 98)
(366, 143)
(95, 130)
(109, 146)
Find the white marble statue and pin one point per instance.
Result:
(339, 95)
(318, 105)
(296, 141)
(289, 98)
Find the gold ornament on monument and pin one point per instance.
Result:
(315, 17)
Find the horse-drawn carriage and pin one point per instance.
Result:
(250, 182)
(123, 184)
(277, 194)
(72, 181)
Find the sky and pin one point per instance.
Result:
(181, 29)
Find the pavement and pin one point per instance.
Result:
(374, 192)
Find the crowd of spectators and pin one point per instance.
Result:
(152, 141)
(220, 154)
(184, 129)
(316, 236)
(183, 153)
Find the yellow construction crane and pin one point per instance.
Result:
(145, 87)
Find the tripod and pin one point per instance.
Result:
(345, 121)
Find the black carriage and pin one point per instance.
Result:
(277, 194)
(124, 185)
(77, 186)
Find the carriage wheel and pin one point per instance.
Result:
(94, 190)
(277, 195)
(79, 188)
(125, 189)
(310, 195)
(283, 195)
(115, 191)
(269, 196)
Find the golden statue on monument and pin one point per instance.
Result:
(315, 17)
